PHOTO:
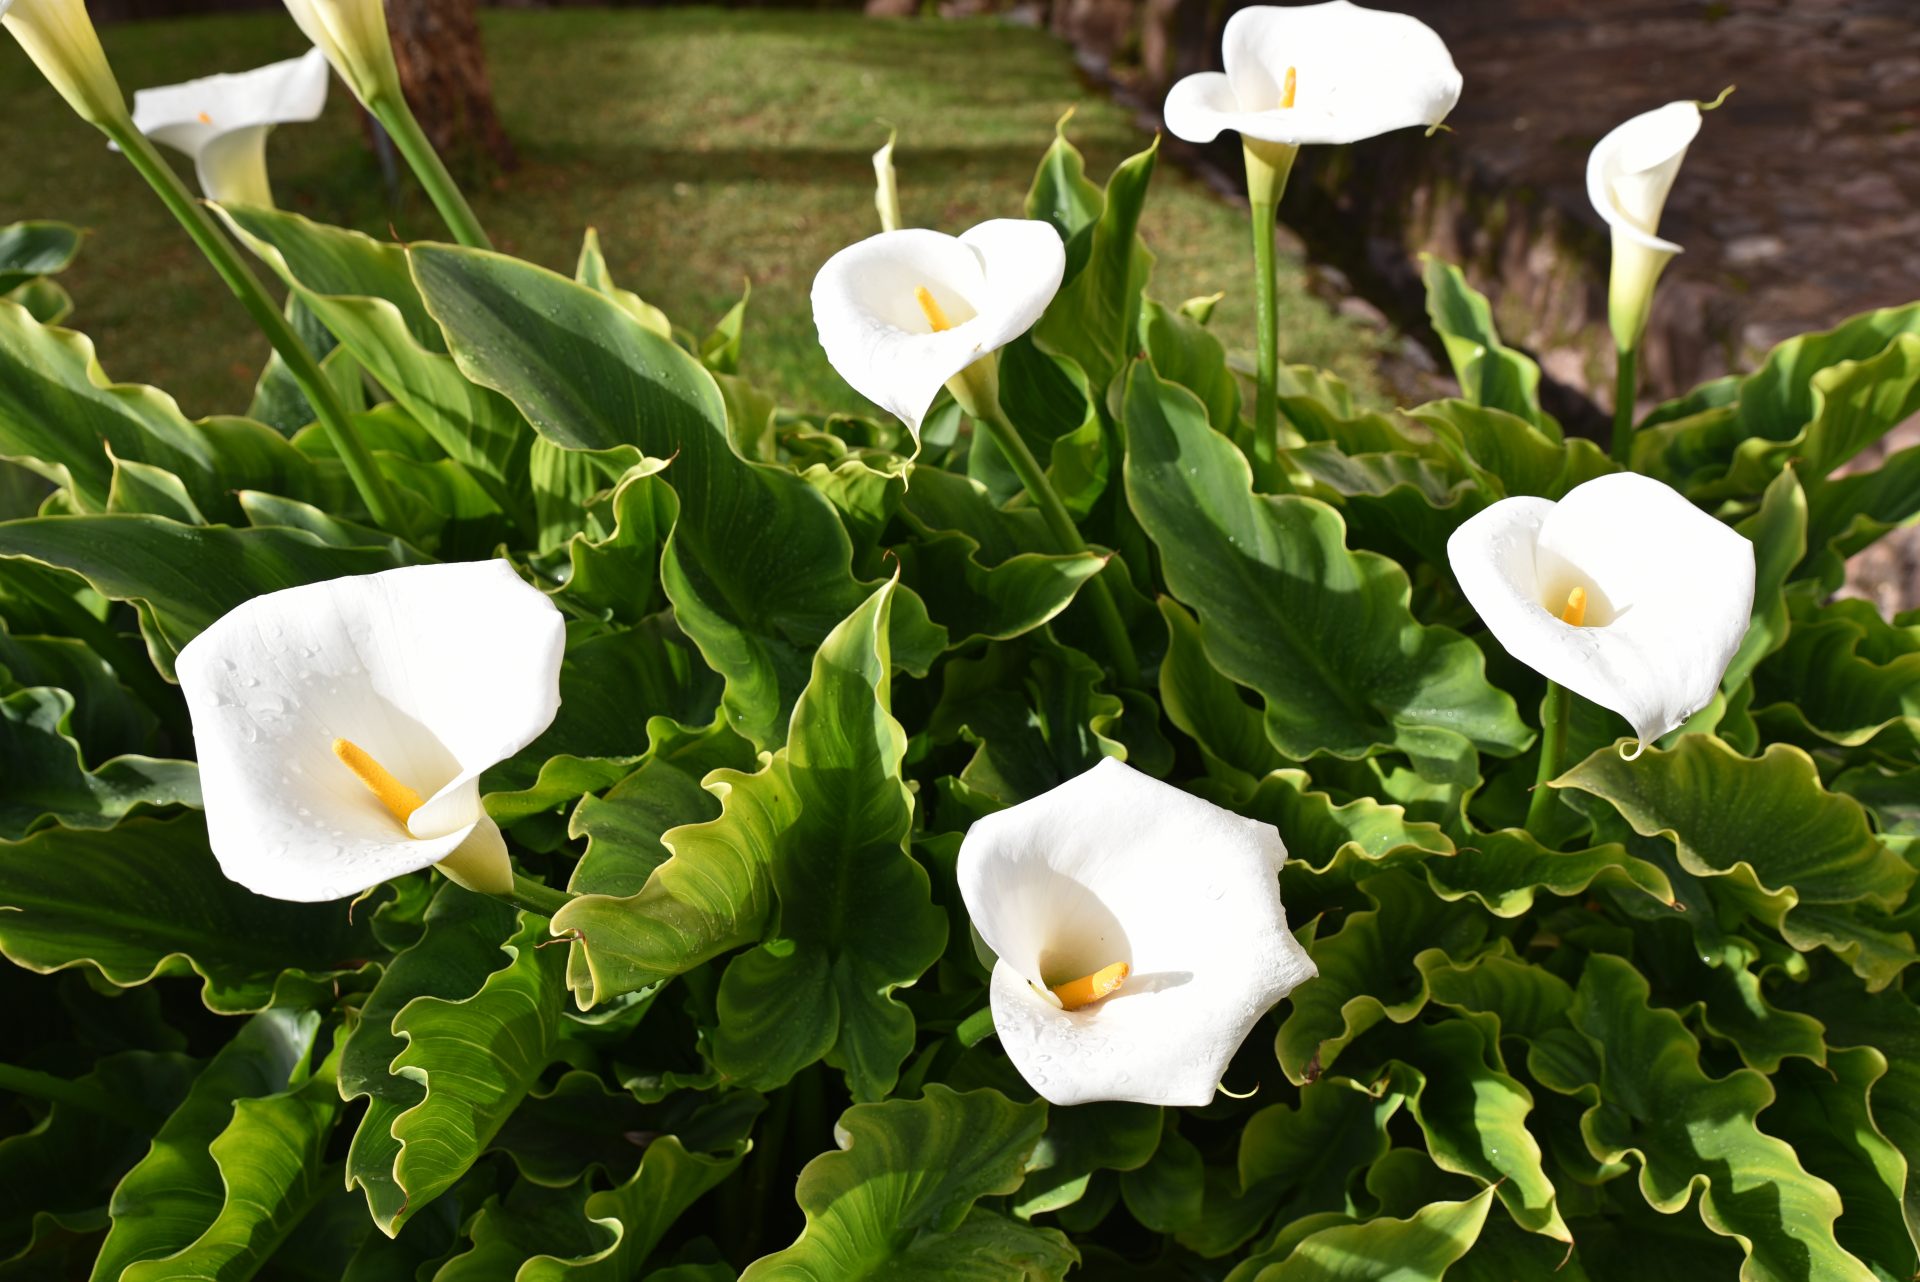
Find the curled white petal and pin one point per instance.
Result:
(1357, 73)
(992, 284)
(1669, 594)
(437, 672)
(1631, 170)
(1114, 866)
(222, 121)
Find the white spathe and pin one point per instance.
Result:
(1357, 73)
(1115, 866)
(1629, 173)
(59, 37)
(436, 671)
(353, 36)
(222, 121)
(1669, 594)
(992, 283)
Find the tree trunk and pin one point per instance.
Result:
(443, 69)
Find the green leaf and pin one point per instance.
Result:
(1324, 634)
(1094, 318)
(856, 914)
(1107, 1136)
(58, 1169)
(1062, 195)
(714, 894)
(1508, 454)
(44, 780)
(1373, 969)
(1207, 707)
(1490, 373)
(1474, 1118)
(591, 271)
(898, 1203)
(1184, 352)
(36, 248)
(1418, 1249)
(147, 899)
(976, 602)
(270, 1163)
(1787, 847)
(1734, 440)
(1689, 1131)
(108, 719)
(1824, 1114)
(759, 567)
(361, 290)
(1504, 869)
(1845, 674)
(626, 827)
(187, 576)
(1319, 832)
(477, 1057)
(174, 1194)
(459, 948)
(634, 1215)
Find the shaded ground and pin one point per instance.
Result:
(707, 146)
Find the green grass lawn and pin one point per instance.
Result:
(709, 147)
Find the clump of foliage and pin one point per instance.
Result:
(1664, 1031)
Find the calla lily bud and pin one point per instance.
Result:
(342, 727)
(353, 35)
(886, 188)
(222, 122)
(1138, 935)
(1318, 73)
(903, 313)
(59, 37)
(1629, 175)
(1623, 592)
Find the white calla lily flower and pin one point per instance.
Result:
(59, 37)
(342, 726)
(1622, 592)
(902, 313)
(1318, 73)
(222, 121)
(1138, 933)
(1629, 174)
(353, 36)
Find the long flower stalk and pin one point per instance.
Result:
(368, 481)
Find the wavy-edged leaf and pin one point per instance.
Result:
(1847, 674)
(147, 899)
(175, 1193)
(44, 780)
(1207, 707)
(1508, 454)
(1323, 633)
(458, 948)
(1474, 1117)
(1319, 832)
(898, 1202)
(184, 576)
(1797, 856)
(270, 1159)
(759, 567)
(1105, 1136)
(1418, 1249)
(58, 1171)
(1651, 1101)
(856, 914)
(1372, 969)
(360, 289)
(974, 602)
(1490, 372)
(618, 1226)
(477, 1057)
(1504, 870)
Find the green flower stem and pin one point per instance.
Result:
(367, 478)
(976, 1028)
(1626, 390)
(1268, 166)
(987, 412)
(80, 1095)
(535, 896)
(398, 120)
(1555, 711)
